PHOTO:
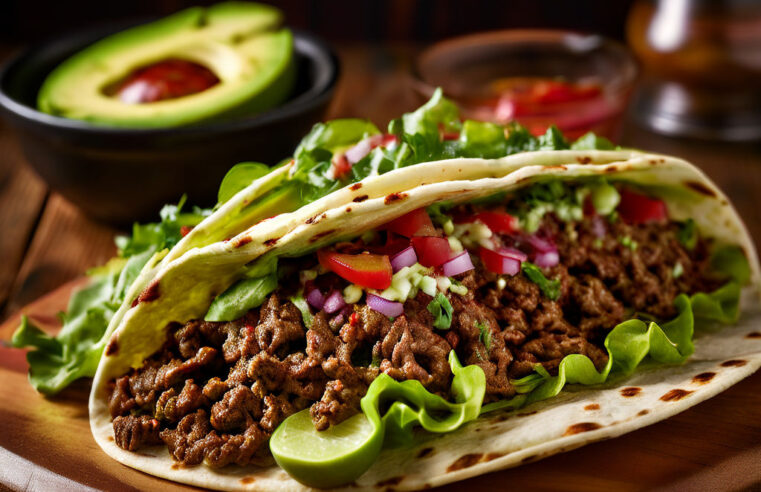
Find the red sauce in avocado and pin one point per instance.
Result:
(168, 79)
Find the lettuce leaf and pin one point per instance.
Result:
(57, 361)
(410, 404)
(239, 177)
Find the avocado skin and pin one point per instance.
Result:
(243, 35)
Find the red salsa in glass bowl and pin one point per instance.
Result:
(538, 78)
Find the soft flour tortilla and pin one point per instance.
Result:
(237, 215)
(183, 290)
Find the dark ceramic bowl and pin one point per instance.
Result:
(121, 175)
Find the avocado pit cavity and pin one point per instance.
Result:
(168, 79)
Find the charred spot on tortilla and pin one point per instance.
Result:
(592, 406)
(271, 242)
(315, 218)
(394, 197)
(703, 377)
(733, 363)
(247, 480)
(526, 414)
(243, 241)
(581, 427)
(355, 186)
(630, 391)
(753, 334)
(465, 461)
(493, 456)
(151, 293)
(321, 235)
(348, 209)
(700, 188)
(390, 482)
(611, 169)
(676, 394)
(642, 413)
(502, 418)
(112, 347)
(360, 198)
(425, 452)
(583, 159)
(110, 438)
(530, 457)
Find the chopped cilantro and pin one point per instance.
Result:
(484, 335)
(550, 288)
(441, 310)
(688, 234)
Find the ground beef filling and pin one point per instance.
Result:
(217, 391)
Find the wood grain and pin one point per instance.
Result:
(712, 446)
(65, 245)
(22, 197)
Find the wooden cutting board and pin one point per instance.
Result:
(45, 443)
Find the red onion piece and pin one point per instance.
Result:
(347, 310)
(598, 227)
(384, 306)
(362, 148)
(334, 302)
(514, 253)
(540, 244)
(547, 259)
(404, 258)
(338, 319)
(457, 265)
(316, 299)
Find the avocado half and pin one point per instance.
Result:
(241, 43)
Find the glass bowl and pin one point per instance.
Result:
(579, 82)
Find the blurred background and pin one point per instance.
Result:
(337, 20)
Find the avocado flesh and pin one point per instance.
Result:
(240, 42)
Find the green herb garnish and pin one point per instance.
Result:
(688, 234)
(550, 288)
(484, 335)
(441, 310)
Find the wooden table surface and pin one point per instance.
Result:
(46, 242)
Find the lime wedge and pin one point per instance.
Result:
(328, 458)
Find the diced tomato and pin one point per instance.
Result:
(394, 244)
(367, 270)
(388, 139)
(341, 166)
(636, 208)
(185, 230)
(354, 319)
(499, 262)
(431, 251)
(498, 222)
(450, 136)
(415, 223)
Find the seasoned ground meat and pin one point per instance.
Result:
(217, 391)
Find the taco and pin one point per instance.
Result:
(386, 333)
